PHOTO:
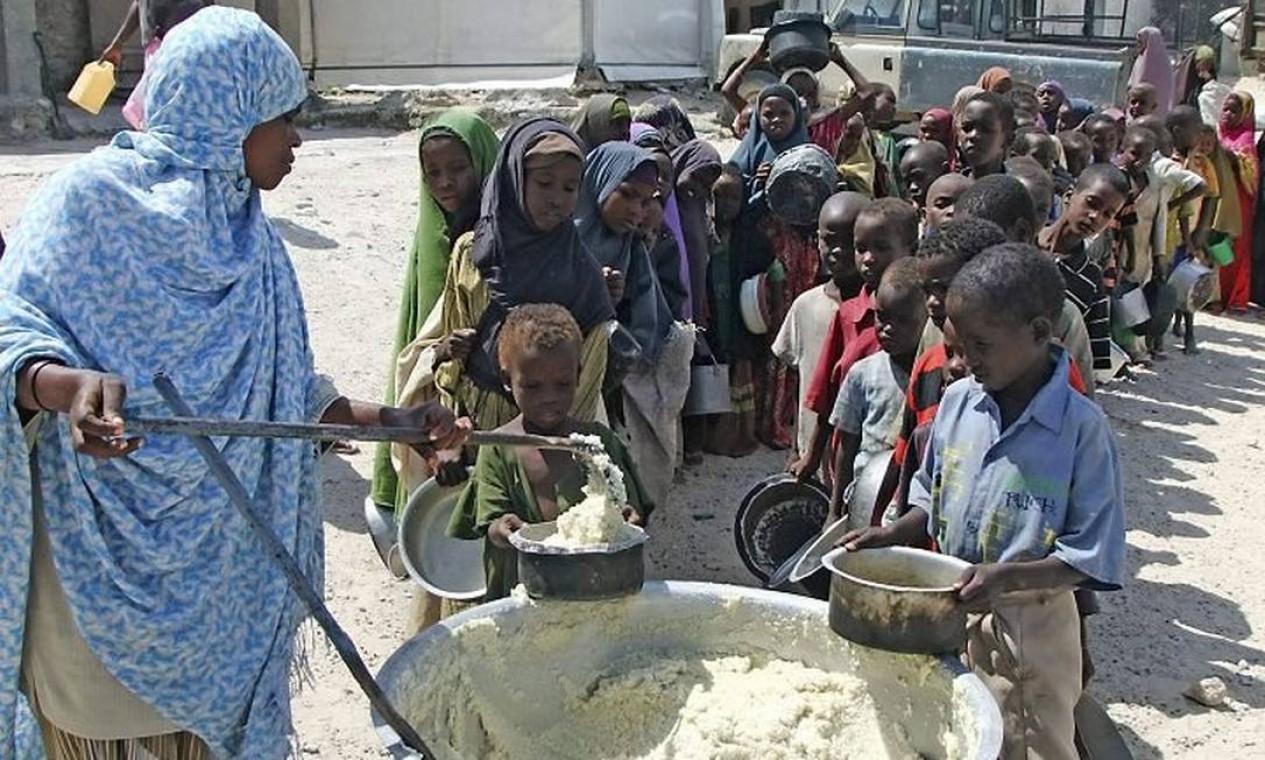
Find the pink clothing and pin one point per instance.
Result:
(1153, 67)
(134, 108)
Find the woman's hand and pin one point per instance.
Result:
(762, 172)
(437, 424)
(614, 283)
(500, 529)
(96, 420)
(113, 54)
(457, 345)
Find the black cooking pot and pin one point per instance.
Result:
(798, 39)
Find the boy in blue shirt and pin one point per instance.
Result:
(1021, 479)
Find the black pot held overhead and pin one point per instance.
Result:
(798, 39)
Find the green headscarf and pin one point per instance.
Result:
(424, 277)
(428, 265)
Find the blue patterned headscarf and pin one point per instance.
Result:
(153, 254)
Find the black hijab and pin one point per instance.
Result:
(694, 161)
(523, 265)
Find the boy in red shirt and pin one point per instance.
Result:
(885, 231)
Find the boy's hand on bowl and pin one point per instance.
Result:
(873, 537)
(980, 585)
(633, 517)
(500, 529)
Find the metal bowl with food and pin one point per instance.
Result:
(549, 570)
(678, 670)
(897, 598)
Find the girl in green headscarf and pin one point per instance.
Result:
(457, 151)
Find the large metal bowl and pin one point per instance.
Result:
(448, 567)
(897, 598)
(556, 647)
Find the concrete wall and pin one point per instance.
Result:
(65, 35)
(428, 42)
(22, 61)
(104, 18)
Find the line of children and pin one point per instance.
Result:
(1021, 479)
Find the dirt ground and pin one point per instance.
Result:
(1190, 436)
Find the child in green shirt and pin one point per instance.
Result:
(539, 354)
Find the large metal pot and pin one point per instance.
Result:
(558, 572)
(545, 651)
(801, 180)
(798, 38)
(897, 598)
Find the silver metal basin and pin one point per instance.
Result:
(932, 704)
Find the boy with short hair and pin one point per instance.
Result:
(868, 410)
(1077, 152)
(798, 344)
(1037, 145)
(923, 164)
(1003, 200)
(1040, 185)
(1143, 100)
(1100, 193)
(886, 230)
(1104, 137)
(942, 198)
(1192, 141)
(1022, 480)
(984, 131)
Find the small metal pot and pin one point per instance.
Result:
(1195, 285)
(898, 599)
(709, 390)
(559, 572)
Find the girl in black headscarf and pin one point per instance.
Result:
(524, 249)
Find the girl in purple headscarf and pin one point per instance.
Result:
(1153, 67)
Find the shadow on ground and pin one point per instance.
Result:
(343, 492)
(1192, 631)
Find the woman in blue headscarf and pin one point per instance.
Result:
(620, 183)
(138, 608)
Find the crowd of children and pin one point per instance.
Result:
(957, 303)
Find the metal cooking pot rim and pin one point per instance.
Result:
(530, 545)
(828, 562)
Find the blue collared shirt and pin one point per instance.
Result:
(1049, 484)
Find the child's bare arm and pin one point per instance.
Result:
(734, 81)
(1194, 193)
(1203, 228)
(1183, 224)
(807, 465)
(910, 529)
(980, 585)
(849, 445)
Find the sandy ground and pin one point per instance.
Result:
(1190, 437)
